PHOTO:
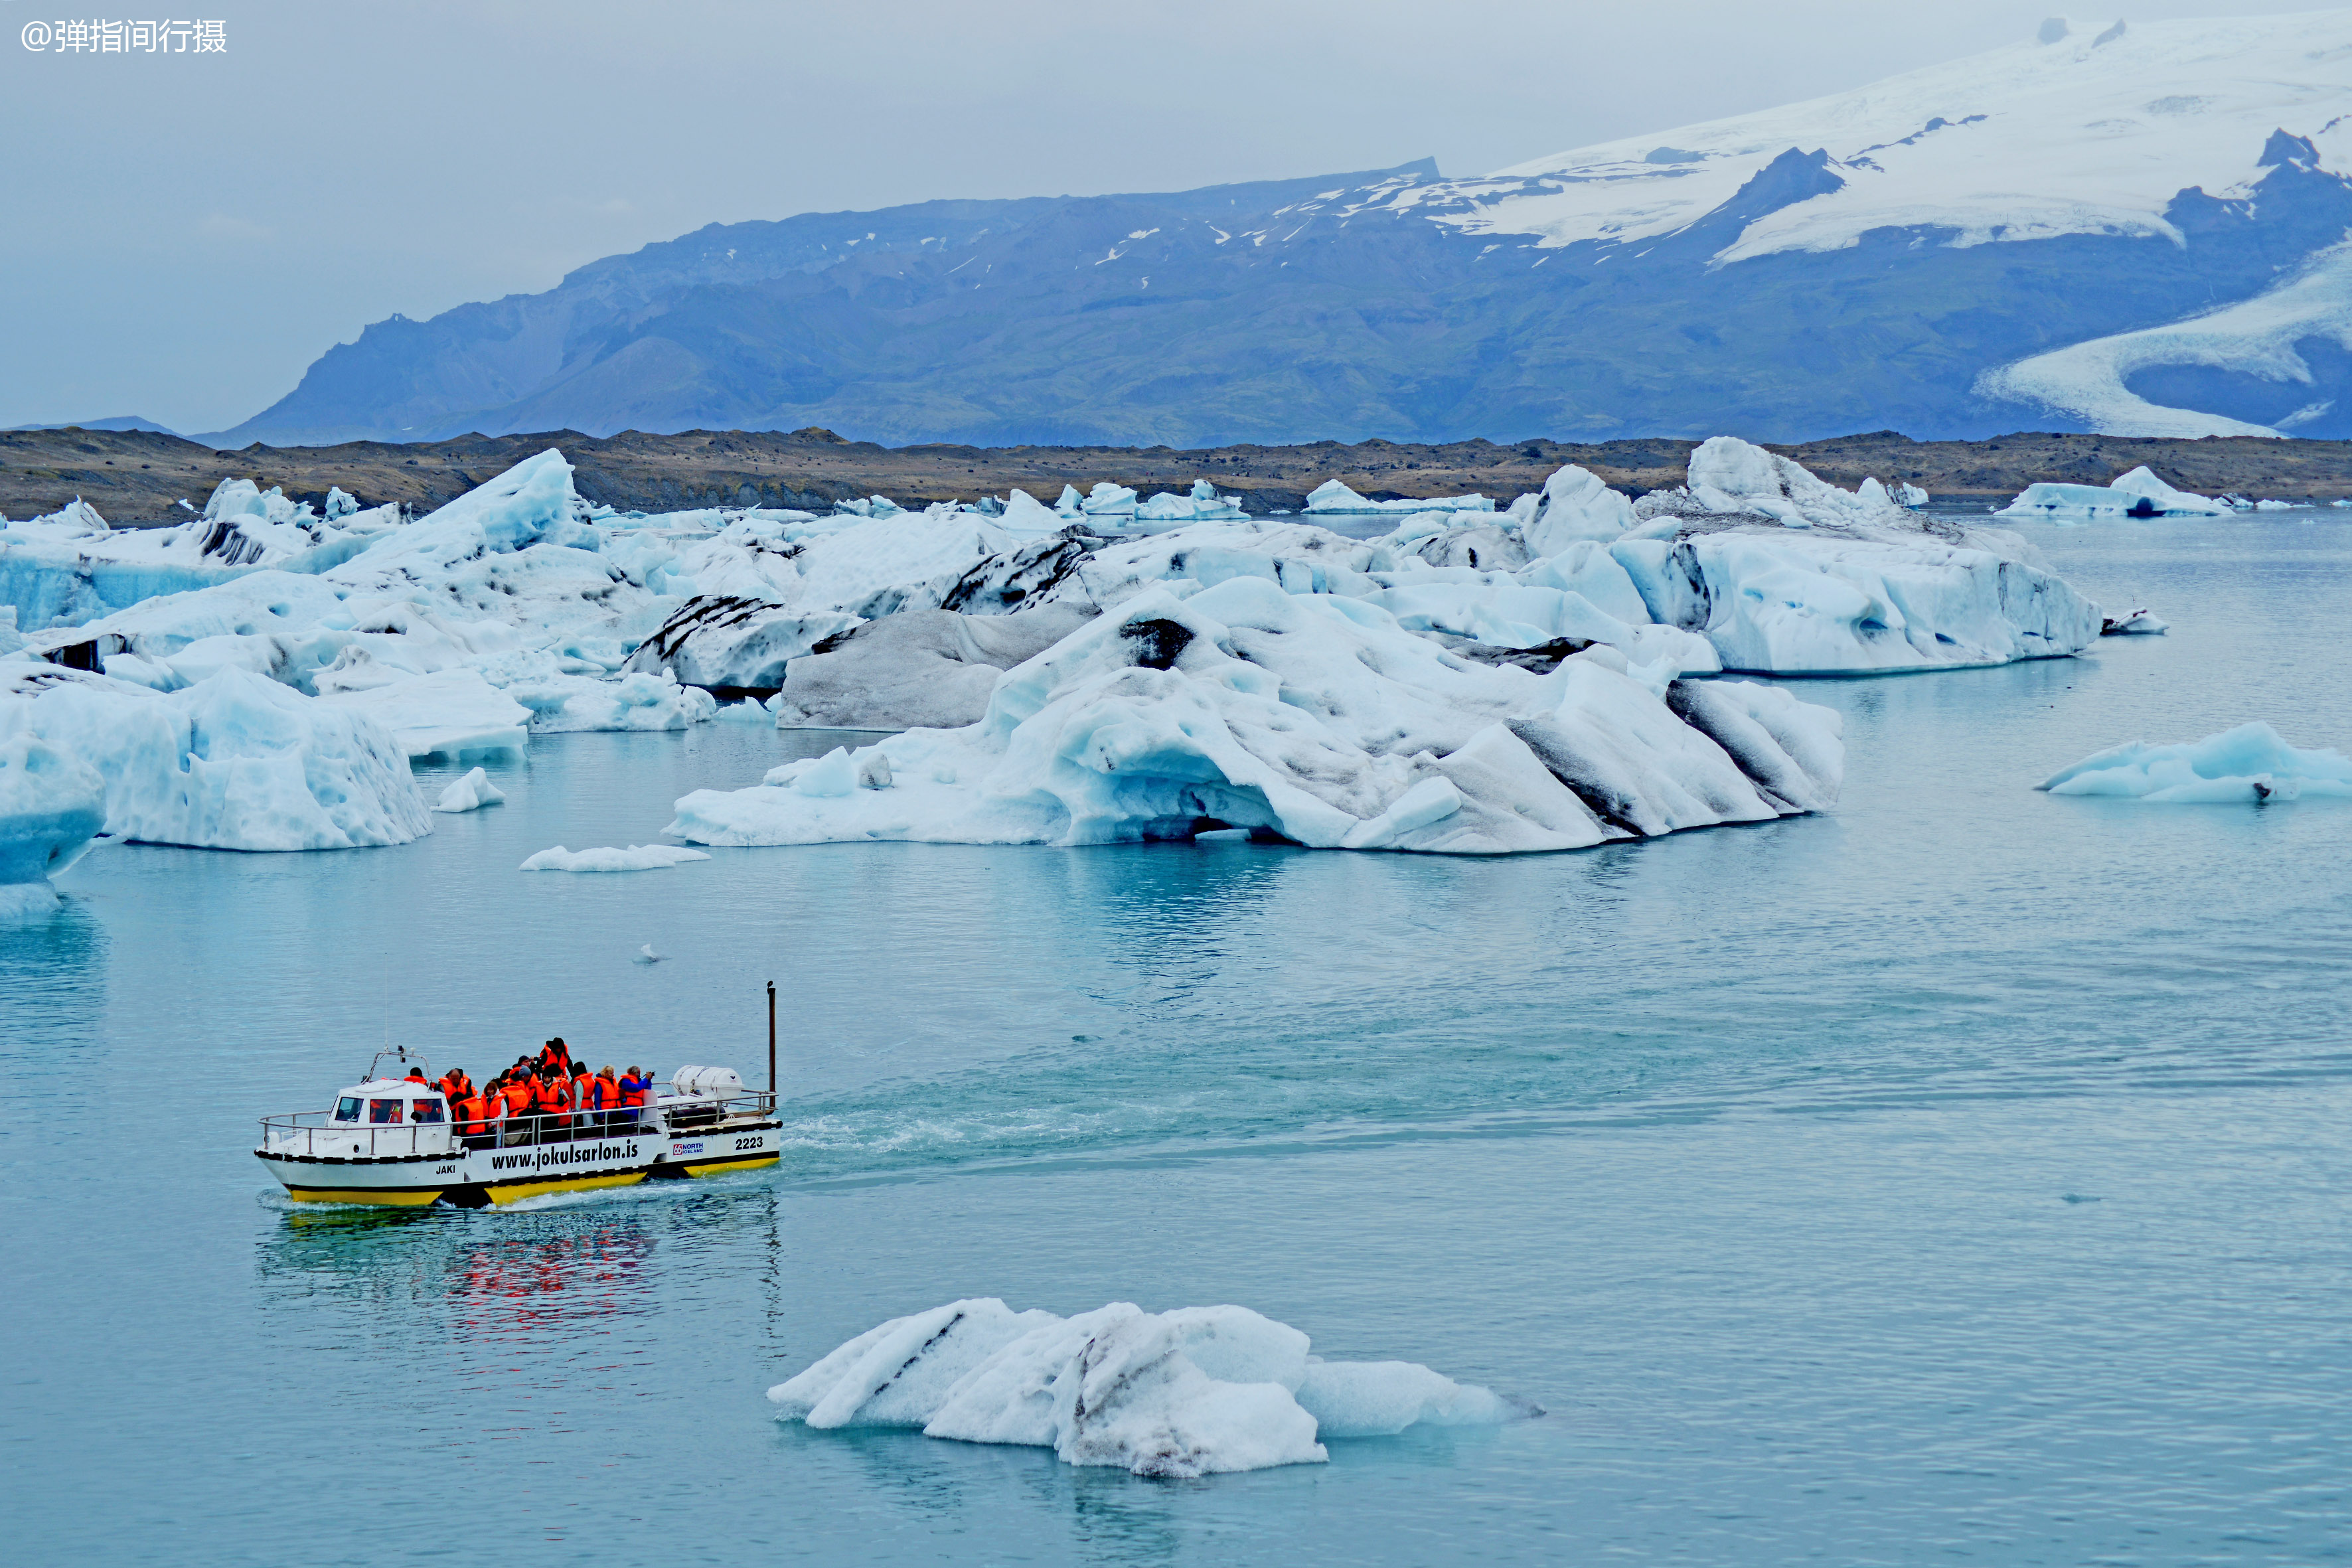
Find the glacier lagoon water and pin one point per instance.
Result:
(1960, 1175)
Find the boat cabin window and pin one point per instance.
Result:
(426, 1110)
(384, 1112)
(347, 1108)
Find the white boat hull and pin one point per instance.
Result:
(475, 1178)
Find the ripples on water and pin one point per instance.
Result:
(1959, 1174)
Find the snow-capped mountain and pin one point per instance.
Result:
(2142, 231)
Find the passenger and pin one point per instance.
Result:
(522, 1109)
(554, 1096)
(582, 1088)
(608, 1097)
(474, 1124)
(416, 1075)
(635, 1086)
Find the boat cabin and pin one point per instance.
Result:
(387, 1115)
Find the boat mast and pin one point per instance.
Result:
(771, 1046)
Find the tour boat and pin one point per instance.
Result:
(392, 1141)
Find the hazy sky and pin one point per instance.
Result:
(185, 233)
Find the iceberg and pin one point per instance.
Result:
(736, 644)
(2250, 764)
(1333, 498)
(2135, 622)
(70, 566)
(1108, 499)
(1024, 513)
(52, 804)
(918, 669)
(1313, 717)
(233, 762)
(1179, 1394)
(1778, 571)
(1810, 605)
(2138, 494)
(471, 793)
(1576, 506)
(1730, 475)
(636, 857)
(1199, 504)
(452, 713)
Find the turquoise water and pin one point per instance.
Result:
(1961, 1175)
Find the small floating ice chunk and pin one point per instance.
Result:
(1187, 1393)
(2138, 622)
(636, 857)
(2251, 763)
(471, 793)
(647, 954)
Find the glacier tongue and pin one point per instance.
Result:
(1191, 1392)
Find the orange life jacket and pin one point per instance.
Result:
(473, 1116)
(633, 1092)
(608, 1092)
(416, 1076)
(521, 1100)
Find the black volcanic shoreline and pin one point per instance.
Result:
(138, 476)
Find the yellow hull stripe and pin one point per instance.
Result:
(373, 1195)
(713, 1167)
(521, 1190)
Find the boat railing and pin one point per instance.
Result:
(685, 1111)
(316, 1135)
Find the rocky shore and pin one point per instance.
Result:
(135, 476)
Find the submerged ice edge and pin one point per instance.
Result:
(1181, 1393)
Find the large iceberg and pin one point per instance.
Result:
(1193, 1392)
(1313, 718)
(233, 762)
(1784, 573)
(2250, 764)
(2137, 494)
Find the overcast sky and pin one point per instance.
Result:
(186, 233)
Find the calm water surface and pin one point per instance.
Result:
(1959, 1176)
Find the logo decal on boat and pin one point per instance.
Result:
(686, 1148)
